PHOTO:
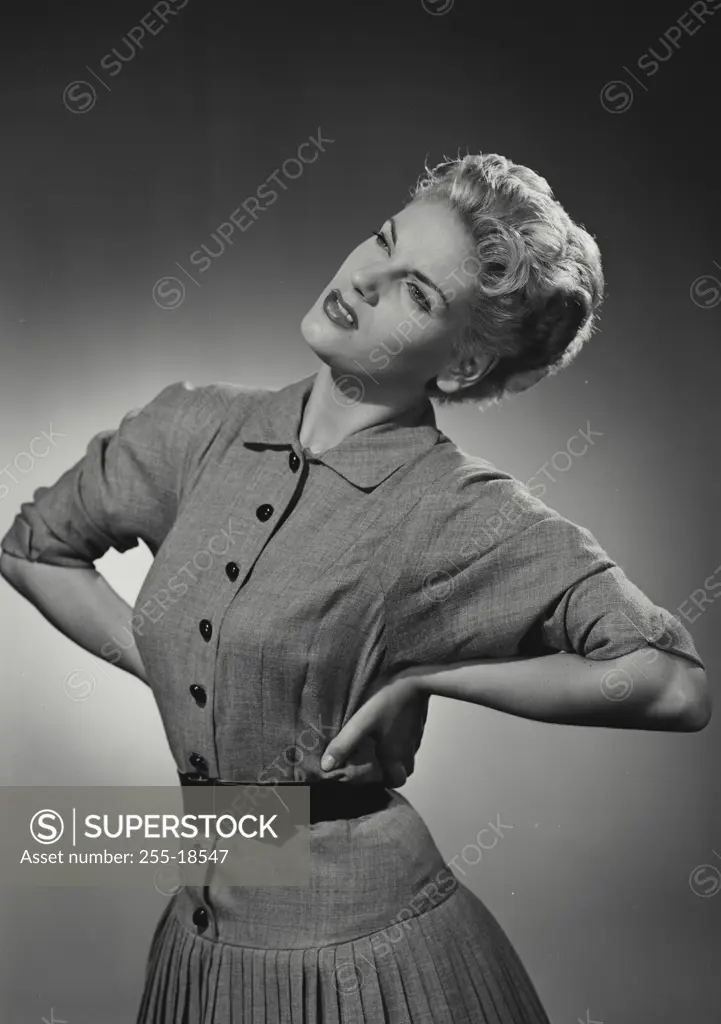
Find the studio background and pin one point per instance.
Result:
(596, 882)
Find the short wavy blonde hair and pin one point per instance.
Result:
(539, 275)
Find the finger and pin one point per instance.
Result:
(397, 775)
(398, 768)
(342, 745)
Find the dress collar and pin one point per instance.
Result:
(365, 458)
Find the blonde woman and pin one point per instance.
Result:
(363, 563)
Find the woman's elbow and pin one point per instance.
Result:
(10, 566)
(695, 704)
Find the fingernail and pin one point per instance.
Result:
(327, 762)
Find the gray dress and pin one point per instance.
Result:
(283, 584)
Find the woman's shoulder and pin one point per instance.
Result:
(183, 419)
(463, 479)
(471, 493)
(200, 404)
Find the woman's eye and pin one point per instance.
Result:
(381, 240)
(415, 292)
(418, 297)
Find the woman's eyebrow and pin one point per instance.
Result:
(417, 273)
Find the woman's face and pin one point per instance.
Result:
(394, 306)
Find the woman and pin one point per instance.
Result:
(360, 563)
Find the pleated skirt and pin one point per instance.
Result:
(385, 934)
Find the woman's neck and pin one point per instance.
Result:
(341, 404)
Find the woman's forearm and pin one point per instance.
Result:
(78, 602)
(648, 689)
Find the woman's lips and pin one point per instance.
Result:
(338, 312)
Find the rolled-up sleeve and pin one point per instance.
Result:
(124, 489)
(586, 603)
(493, 572)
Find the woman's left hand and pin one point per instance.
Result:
(394, 716)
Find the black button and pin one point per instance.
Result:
(199, 762)
(200, 918)
(199, 694)
(206, 629)
(293, 461)
(232, 571)
(264, 512)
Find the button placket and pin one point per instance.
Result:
(220, 608)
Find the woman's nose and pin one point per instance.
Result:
(367, 281)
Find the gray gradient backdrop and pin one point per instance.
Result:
(595, 881)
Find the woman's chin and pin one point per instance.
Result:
(321, 335)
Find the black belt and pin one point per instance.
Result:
(328, 800)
